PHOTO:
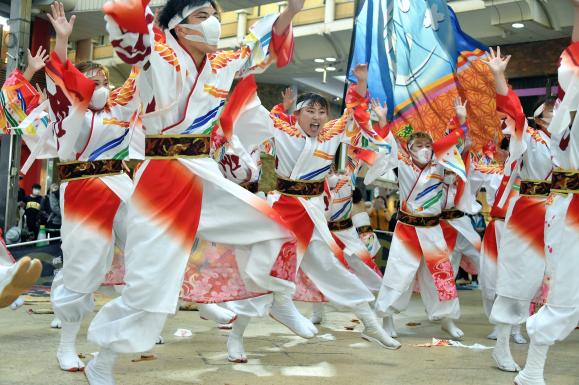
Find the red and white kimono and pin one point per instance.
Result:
(180, 194)
(303, 161)
(492, 178)
(459, 233)
(521, 262)
(420, 252)
(560, 315)
(359, 255)
(94, 190)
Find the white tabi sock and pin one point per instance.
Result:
(389, 326)
(502, 352)
(99, 370)
(373, 331)
(450, 327)
(517, 336)
(285, 312)
(533, 374)
(317, 313)
(67, 356)
(235, 349)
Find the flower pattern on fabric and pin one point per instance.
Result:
(306, 290)
(443, 276)
(212, 276)
(286, 263)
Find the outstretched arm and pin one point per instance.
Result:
(285, 18)
(441, 146)
(498, 66)
(35, 63)
(62, 27)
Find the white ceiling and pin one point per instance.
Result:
(489, 21)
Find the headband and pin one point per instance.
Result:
(188, 10)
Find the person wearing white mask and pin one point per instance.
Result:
(418, 247)
(94, 129)
(558, 318)
(183, 83)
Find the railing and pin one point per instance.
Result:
(14, 245)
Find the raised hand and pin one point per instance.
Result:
(496, 63)
(57, 17)
(361, 72)
(460, 109)
(381, 111)
(35, 63)
(288, 98)
(294, 6)
(42, 92)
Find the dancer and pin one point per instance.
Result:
(418, 247)
(184, 82)
(560, 315)
(459, 233)
(305, 144)
(16, 276)
(18, 99)
(94, 131)
(521, 261)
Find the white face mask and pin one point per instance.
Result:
(423, 155)
(35, 192)
(210, 30)
(99, 98)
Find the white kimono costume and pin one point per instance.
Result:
(421, 251)
(521, 262)
(359, 255)
(459, 233)
(559, 317)
(179, 198)
(305, 161)
(496, 185)
(93, 205)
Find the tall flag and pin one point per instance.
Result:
(419, 62)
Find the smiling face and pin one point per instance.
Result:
(199, 16)
(312, 118)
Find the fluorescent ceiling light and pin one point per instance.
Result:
(319, 69)
(518, 25)
(331, 69)
(331, 59)
(319, 60)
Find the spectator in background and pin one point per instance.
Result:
(32, 211)
(21, 192)
(51, 210)
(358, 204)
(379, 215)
(394, 218)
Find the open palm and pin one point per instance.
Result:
(57, 17)
(496, 63)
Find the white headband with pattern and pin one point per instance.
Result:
(188, 10)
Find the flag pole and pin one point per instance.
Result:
(342, 150)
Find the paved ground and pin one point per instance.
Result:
(27, 347)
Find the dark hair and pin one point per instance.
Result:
(36, 185)
(175, 7)
(314, 99)
(356, 195)
(86, 66)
